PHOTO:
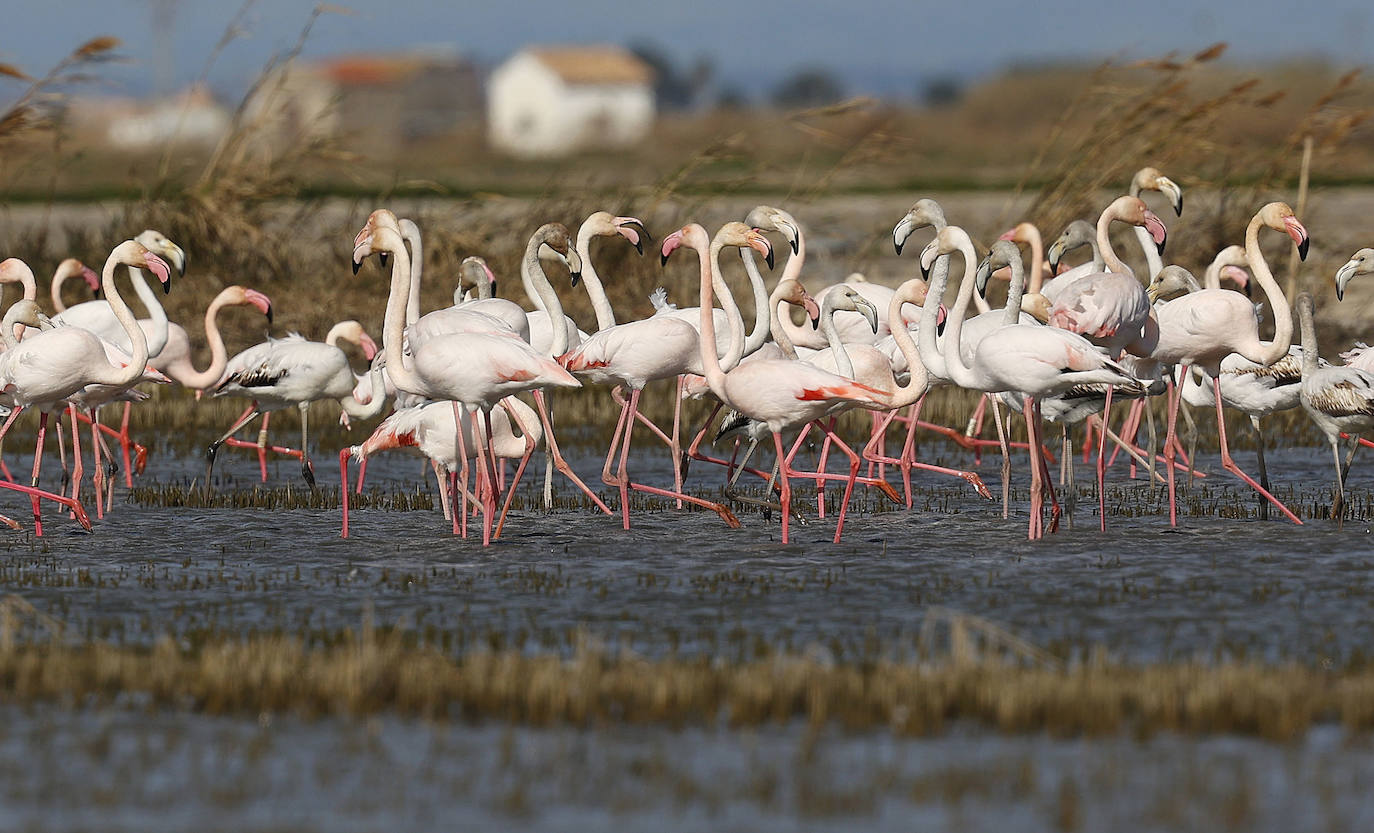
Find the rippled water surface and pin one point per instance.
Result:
(680, 582)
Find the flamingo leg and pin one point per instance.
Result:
(548, 466)
(1006, 458)
(1263, 471)
(692, 452)
(1338, 499)
(482, 484)
(249, 414)
(459, 485)
(124, 445)
(870, 452)
(441, 479)
(362, 475)
(1066, 474)
(558, 461)
(829, 431)
(1045, 479)
(307, 470)
(1101, 458)
(1174, 393)
(854, 463)
(343, 490)
(262, 446)
(909, 448)
(37, 463)
(97, 473)
(623, 426)
(724, 513)
(520, 468)
(1035, 529)
(786, 501)
(1230, 464)
(675, 446)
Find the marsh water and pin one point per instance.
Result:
(1222, 585)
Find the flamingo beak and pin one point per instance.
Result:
(178, 258)
(813, 311)
(1155, 227)
(491, 278)
(92, 279)
(1239, 276)
(1009, 234)
(261, 301)
(1343, 277)
(1175, 194)
(980, 280)
(1299, 234)
(792, 233)
(901, 232)
(1054, 255)
(361, 249)
(670, 243)
(928, 255)
(369, 346)
(760, 244)
(940, 315)
(869, 311)
(159, 267)
(626, 227)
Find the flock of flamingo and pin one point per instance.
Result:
(1069, 341)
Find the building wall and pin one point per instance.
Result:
(531, 112)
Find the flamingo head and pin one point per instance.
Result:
(14, 270)
(254, 298)
(925, 212)
(1361, 263)
(158, 267)
(1150, 179)
(1037, 306)
(768, 217)
(555, 237)
(369, 347)
(157, 243)
(1077, 234)
(632, 230)
(1280, 217)
(791, 291)
(474, 272)
(759, 243)
(743, 236)
(1170, 281)
(845, 297)
(947, 241)
(378, 219)
(1004, 254)
(1239, 277)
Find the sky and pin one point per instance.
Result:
(883, 47)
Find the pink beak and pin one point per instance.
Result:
(259, 300)
(670, 243)
(1298, 233)
(1155, 227)
(369, 346)
(158, 267)
(813, 311)
(92, 279)
(1009, 234)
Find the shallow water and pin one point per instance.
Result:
(680, 582)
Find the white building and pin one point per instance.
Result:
(552, 101)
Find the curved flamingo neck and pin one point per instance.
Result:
(843, 364)
(393, 328)
(59, 277)
(374, 406)
(763, 319)
(1037, 263)
(542, 294)
(706, 344)
(790, 270)
(1110, 261)
(1309, 336)
(958, 372)
(918, 381)
(219, 357)
(127, 375)
(411, 234)
(1283, 314)
(1016, 289)
(30, 287)
(931, 357)
(156, 314)
(734, 350)
(775, 323)
(605, 313)
(1147, 244)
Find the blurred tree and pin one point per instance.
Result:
(674, 88)
(944, 91)
(811, 87)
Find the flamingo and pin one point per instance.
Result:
(292, 371)
(475, 371)
(1032, 360)
(175, 360)
(1203, 328)
(71, 268)
(97, 317)
(781, 394)
(430, 429)
(664, 346)
(1340, 400)
(50, 366)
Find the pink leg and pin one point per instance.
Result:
(1035, 530)
(124, 445)
(37, 463)
(854, 462)
(1230, 464)
(821, 466)
(78, 467)
(460, 496)
(558, 461)
(724, 513)
(785, 483)
(362, 474)
(1102, 462)
(675, 446)
(1171, 441)
(97, 473)
(871, 452)
(519, 469)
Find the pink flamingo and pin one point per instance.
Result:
(71, 268)
(781, 394)
(52, 365)
(1202, 328)
(475, 371)
(1032, 360)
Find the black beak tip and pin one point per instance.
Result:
(167, 285)
(1340, 293)
(1178, 207)
(1302, 248)
(816, 322)
(383, 258)
(940, 328)
(576, 278)
(795, 246)
(769, 259)
(925, 273)
(356, 267)
(639, 247)
(1160, 247)
(897, 246)
(269, 316)
(663, 260)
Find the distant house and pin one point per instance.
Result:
(190, 117)
(390, 99)
(552, 101)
